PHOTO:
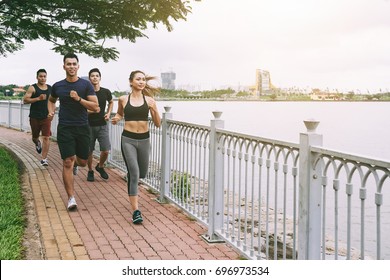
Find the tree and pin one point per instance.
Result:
(243, 94)
(83, 26)
(273, 96)
(350, 95)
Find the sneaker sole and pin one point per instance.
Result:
(137, 222)
(103, 177)
(72, 208)
(39, 150)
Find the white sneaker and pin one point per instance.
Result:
(72, 205)
(44, 162)
(75, 170)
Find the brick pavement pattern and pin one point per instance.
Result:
(101, 228)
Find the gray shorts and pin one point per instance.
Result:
(100, 133)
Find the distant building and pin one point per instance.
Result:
(318, 94)
(18, 91)
(168, 80)
(263, 82)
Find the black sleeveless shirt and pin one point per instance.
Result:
(139, 113)
(38, 110)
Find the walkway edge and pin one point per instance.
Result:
(60, 240)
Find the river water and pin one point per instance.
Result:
(361, 128)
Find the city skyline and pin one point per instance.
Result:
(323, 44)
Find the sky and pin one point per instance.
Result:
(326, 44)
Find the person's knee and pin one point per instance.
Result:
(133, 181)
(68, 162)
(81, 162)
(144, 169)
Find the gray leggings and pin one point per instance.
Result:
(135, 152)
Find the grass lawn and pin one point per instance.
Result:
(12, 221)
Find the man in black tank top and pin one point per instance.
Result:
(37, 95)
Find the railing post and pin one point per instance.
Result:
(216, 190)
(21, 115)
(9, 113)
(309, 219)
(165, 155)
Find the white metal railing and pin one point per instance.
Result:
(365, 184)
(261, 194)
(268, 198)
(260, 176)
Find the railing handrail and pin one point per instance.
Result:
(351, 157)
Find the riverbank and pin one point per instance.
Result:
(263, 100)
(266, 99)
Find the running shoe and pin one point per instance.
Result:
(72, 205)
(44, 162)
(102, 172)
(137, 217)
(75, 169)
(125, 177)
(38, 147)
(90, 177)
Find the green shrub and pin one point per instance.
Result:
(181, 185)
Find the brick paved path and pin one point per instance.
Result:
(101, 228)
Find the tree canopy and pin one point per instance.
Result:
(83, 26)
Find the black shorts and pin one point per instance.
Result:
(73, 140)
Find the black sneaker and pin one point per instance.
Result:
(90, 177)
(137, 218)
(102, 172)
(75, 169)
(44, 162)
(38, 147)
